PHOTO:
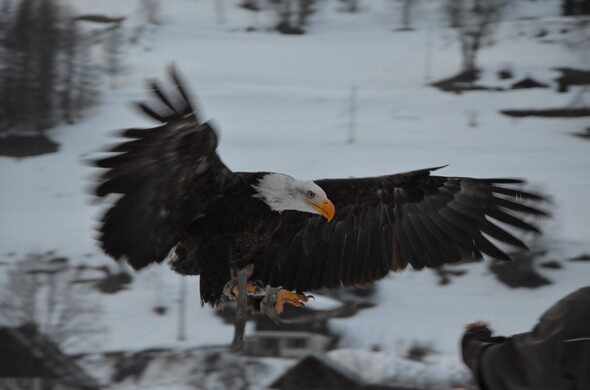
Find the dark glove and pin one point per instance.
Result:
(476, 338)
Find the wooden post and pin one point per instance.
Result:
(352, 124)
(220, 11)
(428, 57)
(241, 308)
(181, 336)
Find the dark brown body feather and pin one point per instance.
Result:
(175, 191)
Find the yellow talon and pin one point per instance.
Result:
(284, 296)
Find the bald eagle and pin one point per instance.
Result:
(177, 200)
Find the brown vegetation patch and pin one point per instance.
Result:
(572, 76)
(548, 112)
(464, 81)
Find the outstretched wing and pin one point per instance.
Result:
(384, 223)
(165, 176)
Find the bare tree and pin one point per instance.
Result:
(475, 21)
(351, 5)
(19, 42)
(39, 290)
(579, 36)
(71, 44)
(406, 15)
(293, 15)
(85, 93)
(40, 48)
(45, 53)
(220, 11)
(79, 78)
(151, 11)
(114, 51)
(454, 12)
(32, 43)
(6, 114)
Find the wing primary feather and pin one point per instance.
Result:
(152, 112)
(348, 266)
(456, 234)
(490, 249)
(128, 146)
(158, 92)
(398, 262)
(438, 252)
(517, 193)
(511, 220)
(468, 214)
(459, 220)
(135, 133)
(319, 260)
(292, 260)
(477, 203)
(375, 256)
(510, 205)
(441, 237)
(497, 181)
(362, 255)
(388, 256)
(416, 242)
(501, 235)
(406, 249)
(187, 99)
(331, 271)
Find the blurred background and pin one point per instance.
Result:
(314, 89)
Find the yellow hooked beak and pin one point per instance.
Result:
(326, 208)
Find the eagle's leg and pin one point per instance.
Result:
(242, 276)
(231, 289)
(251, 289)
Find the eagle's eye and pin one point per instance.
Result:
(310, 194)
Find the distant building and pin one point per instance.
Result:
(285, 344)
(289, 340)
(316, 372)
(319, 372)
(29, 360)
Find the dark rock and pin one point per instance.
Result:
(27, 146)
(287, 29)
(552, 264)
(518, 273)
(528, 82)
(445, 275)
(96, 18)
(583, 135)
(160, 310)
(464, 81)
(504, 74)
(583, 257)
(114, 283)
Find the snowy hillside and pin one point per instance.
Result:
(282, 104)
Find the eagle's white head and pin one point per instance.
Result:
(283, 192)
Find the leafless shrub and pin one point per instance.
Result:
(475, 21)
(39, 290)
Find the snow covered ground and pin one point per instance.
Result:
(281, 103)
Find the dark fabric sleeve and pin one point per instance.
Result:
(576, 345)
(547, 358)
